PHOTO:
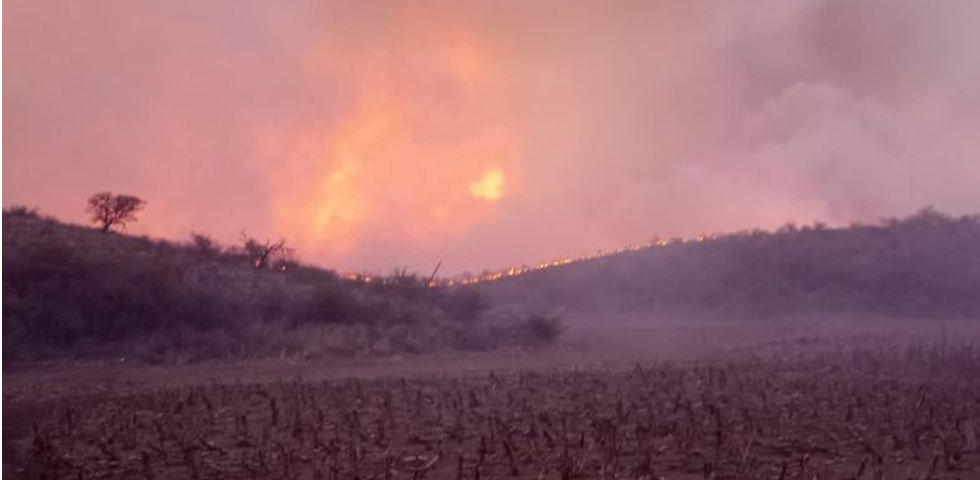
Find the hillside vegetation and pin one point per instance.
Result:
(71, 292)
(923, 266)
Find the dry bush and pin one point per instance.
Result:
(202, 244)
(541, 328)
(71, 293)
(20, 211)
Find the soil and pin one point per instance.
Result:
(618, 397)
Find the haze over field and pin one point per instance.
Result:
(488, 134)
(674, 239)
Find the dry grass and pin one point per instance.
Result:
(809, 409)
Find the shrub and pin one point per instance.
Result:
(464, 304)
(265, 254)
(71, 292)
(541, 329)
(402, 284)
(204, 245)
(329, 302)
(20, 211)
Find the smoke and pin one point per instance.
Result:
(486, 134)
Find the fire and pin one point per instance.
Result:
(490, 186)
(467, 279)
(419, 152)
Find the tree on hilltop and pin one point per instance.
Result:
(108, 210)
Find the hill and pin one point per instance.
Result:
(925, 266)
(71, 292)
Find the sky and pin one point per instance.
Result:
(381, 134)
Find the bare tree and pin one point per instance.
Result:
(262, 254)
(108, 210)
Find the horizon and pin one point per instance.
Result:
(514, 269)
(377, 136)
(447, 239)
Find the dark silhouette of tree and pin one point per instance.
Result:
(108, 210)
(261, 254)
(203, 244)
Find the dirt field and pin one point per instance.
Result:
(628, 398)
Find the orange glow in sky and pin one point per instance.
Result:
(381, 134)
(404, 161)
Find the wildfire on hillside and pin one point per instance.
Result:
(517, 271)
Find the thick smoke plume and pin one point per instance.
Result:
(375, 134)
